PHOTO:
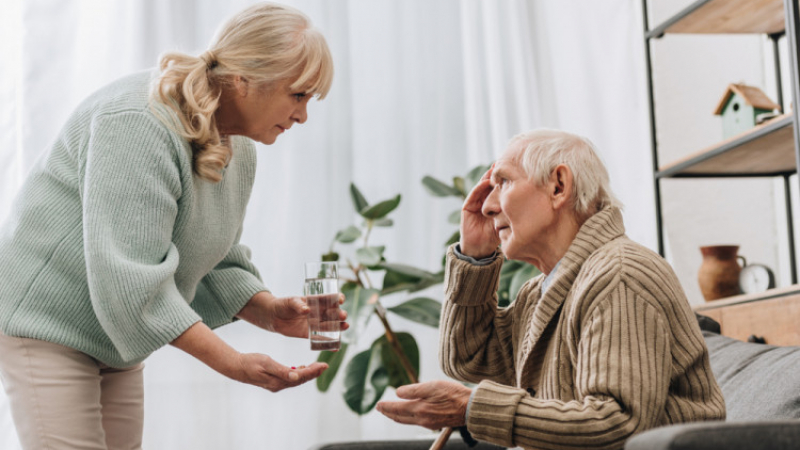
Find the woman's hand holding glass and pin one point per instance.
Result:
(286, 315)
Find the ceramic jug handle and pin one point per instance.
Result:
(744, 261)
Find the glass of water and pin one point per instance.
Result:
(321, 290)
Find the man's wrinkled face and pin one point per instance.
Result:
(521, 210)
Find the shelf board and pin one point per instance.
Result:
(748, 298)
(765, 150)
(725, 16)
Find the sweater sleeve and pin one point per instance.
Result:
(130, 195)
(622, 379)
(474, 334)
(226, 289)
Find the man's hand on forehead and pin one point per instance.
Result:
(489, 175)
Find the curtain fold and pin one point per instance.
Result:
(421, 88)
(12, 170)
(13, 156)
(501, 84)
(590, 58)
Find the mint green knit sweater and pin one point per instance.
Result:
(114, 247)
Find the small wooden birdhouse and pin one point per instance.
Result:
(740, 107)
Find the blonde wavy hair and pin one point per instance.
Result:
(544, 149)
(265, 43)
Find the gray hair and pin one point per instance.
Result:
(545, 149)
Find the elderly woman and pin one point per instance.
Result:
(125, 237)
(601, 346)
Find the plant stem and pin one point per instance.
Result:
(380, 311)
(370, 224)
(366, 277)
(356, 272)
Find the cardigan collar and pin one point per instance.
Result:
(600, 229)
(597, 231)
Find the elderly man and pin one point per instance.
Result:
(601, 346)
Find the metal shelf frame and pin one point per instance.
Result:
(792, 35)
(658, 31)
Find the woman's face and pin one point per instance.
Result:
(260, 112)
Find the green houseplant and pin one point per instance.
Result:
(393, 357)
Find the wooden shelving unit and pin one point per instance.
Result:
(771, 149)
(766, 150)
(726, 16)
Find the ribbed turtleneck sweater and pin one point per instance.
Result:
(611, 349)
(114, 247)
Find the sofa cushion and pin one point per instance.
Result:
(708, 324)
(780, 435)
(758, 381)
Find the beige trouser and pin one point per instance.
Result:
(64, 399)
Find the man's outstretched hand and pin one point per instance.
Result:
(434, 405)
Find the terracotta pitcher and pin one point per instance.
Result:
(719, 272)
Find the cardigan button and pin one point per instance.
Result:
(531, 391)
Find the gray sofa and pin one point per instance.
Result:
(453, 444)
(761, 386)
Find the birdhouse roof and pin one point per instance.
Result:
(754, 97)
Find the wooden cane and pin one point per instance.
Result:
(441, 441)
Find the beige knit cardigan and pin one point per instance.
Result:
(610, 350)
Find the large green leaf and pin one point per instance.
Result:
(510, 268)
(396, 282)
(359, 202)
(365, 380)
(383, 222)
(380, 210)
(348, 235)
(427, 282)
(348, 286)
(521, 276)
(370, 256)
(369, 373)
(439, 189)
(407, 270)
(455, 237)
(330, 257)
(455, 217)
(334, 361)
(421, 310)
(400, 277)
(474, 176)
(359, 304)
(458, 183)
(394, 368)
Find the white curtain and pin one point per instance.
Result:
(421, 88)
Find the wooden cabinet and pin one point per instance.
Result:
(774, 316)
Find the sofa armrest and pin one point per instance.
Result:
(452, 444)
(774, 435)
